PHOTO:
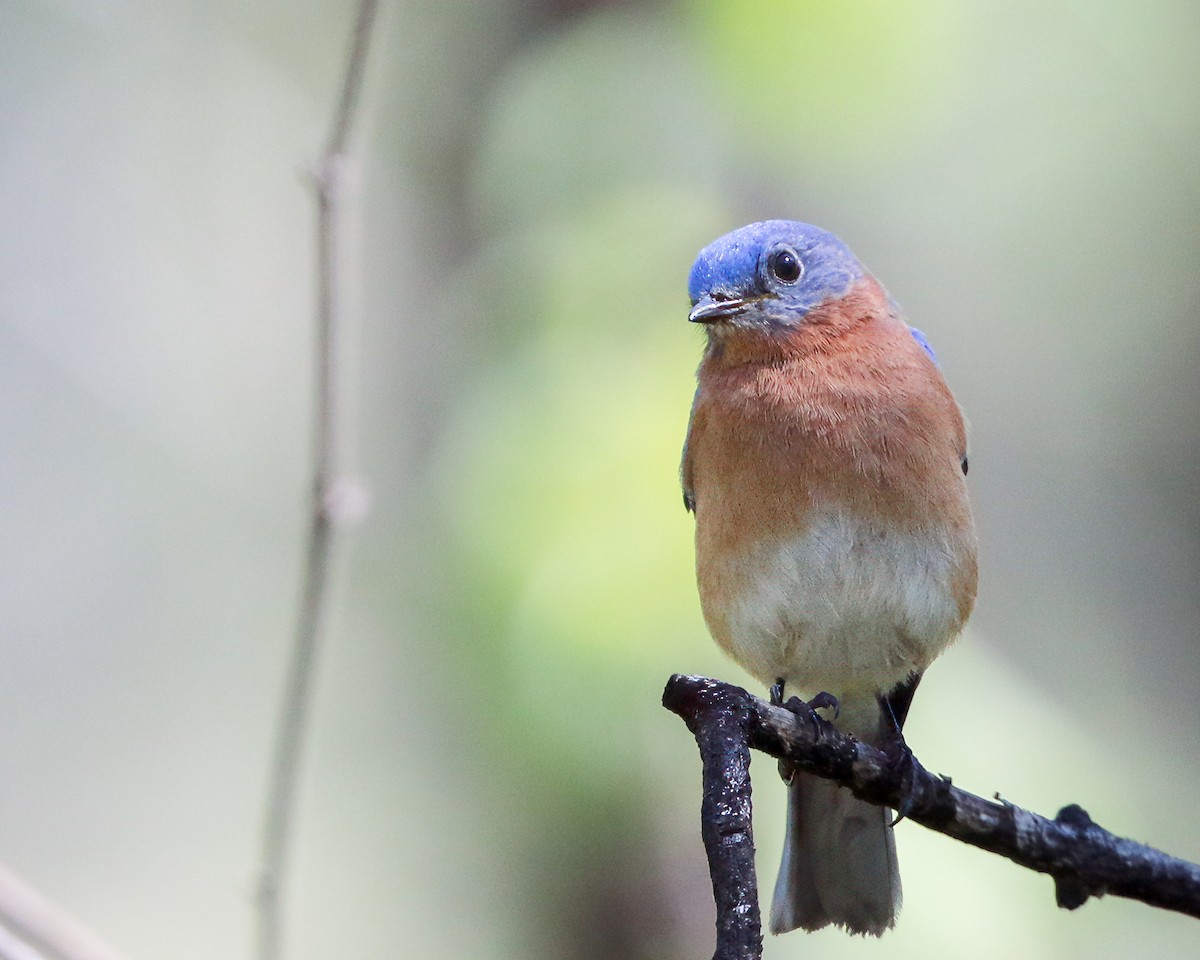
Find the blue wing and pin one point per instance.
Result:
(920, 338)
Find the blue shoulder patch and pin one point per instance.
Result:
(920, 338)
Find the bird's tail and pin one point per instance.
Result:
(839, 862)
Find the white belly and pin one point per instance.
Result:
(846, 607)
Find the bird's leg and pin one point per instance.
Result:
(822, 701)
(787, 772)
(777, 692)
(898, 752)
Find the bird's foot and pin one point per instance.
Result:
(826, 701)
(901, 759)
(822, 701)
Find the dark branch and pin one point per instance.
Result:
(1084, 859)
(723, 735)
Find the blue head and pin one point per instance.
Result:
(770, 274)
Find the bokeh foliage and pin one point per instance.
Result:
(492, 775)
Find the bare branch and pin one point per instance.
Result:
(1084, 859)
(723, 736)
(297, 693)
(32, 928)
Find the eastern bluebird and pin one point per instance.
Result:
(835, 550)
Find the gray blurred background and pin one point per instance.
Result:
(491, 774)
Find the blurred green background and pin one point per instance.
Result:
(491, 774)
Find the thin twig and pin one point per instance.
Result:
(33, 927)
(1084, 859)
(290, 735)
(13, 947)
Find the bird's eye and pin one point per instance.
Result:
(785, 265)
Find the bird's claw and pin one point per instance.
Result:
(826, 701)
(822, 701)
(901, 758)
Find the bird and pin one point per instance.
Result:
(836, 556)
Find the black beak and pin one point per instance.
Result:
(709, 310)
